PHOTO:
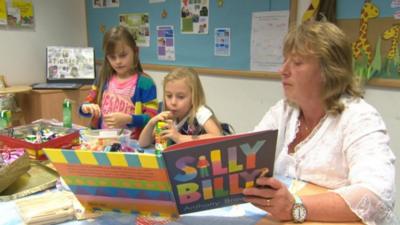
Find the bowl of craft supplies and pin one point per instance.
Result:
(108, 140)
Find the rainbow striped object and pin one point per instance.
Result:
(116, 181)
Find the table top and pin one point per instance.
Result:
(232, 215)
(15, 89)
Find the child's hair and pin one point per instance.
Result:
(112, 38)
(192, 80)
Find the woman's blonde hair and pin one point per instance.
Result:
(192, 80)
(112, 38)
(330, 45)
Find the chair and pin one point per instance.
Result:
(227, 129)
(10, 91)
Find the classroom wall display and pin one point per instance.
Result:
(138, 25)
(190, 49)
(375, 43)
(16, 13)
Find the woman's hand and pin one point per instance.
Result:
(275, 199)
(117, 120)
(91, 108)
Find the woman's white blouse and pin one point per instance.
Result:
(348, 153)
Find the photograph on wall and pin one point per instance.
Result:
(165, 43)
(222, 45)
(105, 3)
(20, 13)
(138, 25)
(194, 16)
(3, 12)
(70, 63)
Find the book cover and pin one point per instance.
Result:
(176, 182)
(212, 173)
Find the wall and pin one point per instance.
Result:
(238, 100)
(57, 22)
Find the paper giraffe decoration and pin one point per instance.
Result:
(368, 11)
(393, 34)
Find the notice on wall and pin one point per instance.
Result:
(165, 43)
(267, 32)
(222, 45)
(138, 25)
(194, 16)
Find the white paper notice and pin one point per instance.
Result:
(267, 32)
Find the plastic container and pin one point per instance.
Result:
(20, 137)
(102, 139)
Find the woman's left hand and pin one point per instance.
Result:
(272, 196)
(117, 120)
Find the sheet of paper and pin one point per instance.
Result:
(267, 32)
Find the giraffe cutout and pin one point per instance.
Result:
(393, 33)
(368, 11)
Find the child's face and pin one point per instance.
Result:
(178, 98)
(121, 60)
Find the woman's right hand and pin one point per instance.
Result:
(91, 108)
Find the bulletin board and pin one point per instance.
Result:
(195, 50)
(349, 19)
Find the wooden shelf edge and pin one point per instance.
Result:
(381, 82)
(377, 82)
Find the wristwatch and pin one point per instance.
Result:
(299, 211)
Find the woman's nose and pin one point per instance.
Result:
(284, 68)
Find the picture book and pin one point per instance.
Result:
(188, 177)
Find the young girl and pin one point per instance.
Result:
(122, 96)
(186, 114)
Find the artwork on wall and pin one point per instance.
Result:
(105, 3)
(165, 43)
(138, 25)
(369, 62)
(194, 16)
(16, 13)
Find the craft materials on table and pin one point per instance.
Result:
(107, 140)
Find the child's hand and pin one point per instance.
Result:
(170, 131)
(163, 116)
(93, 109)
(117, 120)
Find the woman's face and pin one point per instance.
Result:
(178, 98)
(301, 78)
(121, 60)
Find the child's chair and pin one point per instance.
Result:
(227, 129)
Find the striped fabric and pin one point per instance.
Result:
(116, 181)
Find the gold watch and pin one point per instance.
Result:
(299, 211)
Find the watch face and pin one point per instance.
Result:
(299, 213)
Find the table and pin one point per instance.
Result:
(233, 215)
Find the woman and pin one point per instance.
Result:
(328, 135)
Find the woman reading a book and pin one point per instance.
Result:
(328, 135)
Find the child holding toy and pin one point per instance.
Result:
(186, 115)
(122, 96)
